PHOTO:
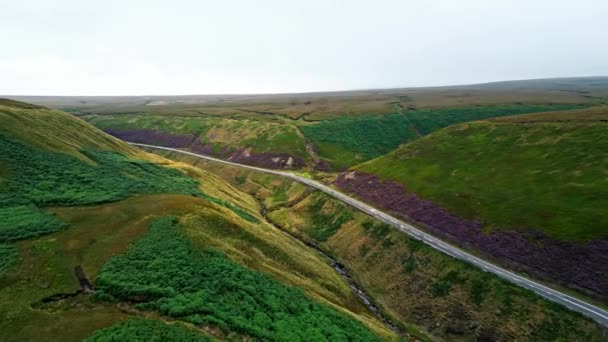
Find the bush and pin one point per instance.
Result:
(146, 330)
(8, 257)
(37, 178)
(326, 224)
(164, 272)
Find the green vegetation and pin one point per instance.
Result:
(146, 330)
(326, 223)
(443, 285)
(37, 178)
(8, 257)
(548, 175)
(26, 221)
(56, 131)
(220, 133)
(351, 140)
(163, 271)
(426, 290)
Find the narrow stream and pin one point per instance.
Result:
(341, 269)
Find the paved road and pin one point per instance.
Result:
(573, 303)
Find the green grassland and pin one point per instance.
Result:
(261, 136)
(36, 178)
(146, 330)
(428, 291)
(340, 140)
(388, 117)
(328, 105)
(347, 141)
(163, 271)
(545, 171)
(273, 192)
(78, 203)
(56, 131)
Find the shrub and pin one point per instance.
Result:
(326, 224)
(164, 272)
(8, 257)
(146, 330)
(37, 178)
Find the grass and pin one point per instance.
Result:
(8, 257)
(56, 131)
(328, 105)
(163, 271)
(548, 175)
(26, 221)
(433, 293)
(346, 141)
(325, 223)
(146, 330)
(261, 136)
(37, 178)
(101, 231)
(117, 198)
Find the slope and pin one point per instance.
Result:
(75, 202)
(530, 190)
(420, 289)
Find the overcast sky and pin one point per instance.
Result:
(63, 47)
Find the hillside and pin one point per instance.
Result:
(95, 235)
(326, 131)
(530, 190)
(422, 290)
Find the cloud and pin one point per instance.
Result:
(153, 47)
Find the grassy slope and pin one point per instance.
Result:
(202, 286)
(56, 130)
(416, 284)
(146, 330)
(44, 265)
(546, 171)
(260, 135)
(271, 120)
(347, 141)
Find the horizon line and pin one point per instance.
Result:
(453, 85)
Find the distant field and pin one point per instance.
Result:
(339, 143)
(520, 172)
(328, 105)
(340, 129)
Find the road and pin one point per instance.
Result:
(598, 314)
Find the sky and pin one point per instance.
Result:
(65, 47)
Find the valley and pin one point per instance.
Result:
(426, 214)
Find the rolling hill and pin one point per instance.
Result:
(529, 190)
(96, 235)
(328, 131)
(421, 290)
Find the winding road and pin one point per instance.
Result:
(598, 314)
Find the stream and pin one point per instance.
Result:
(340, 268)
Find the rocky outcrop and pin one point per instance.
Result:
(583, 266)
(267, 160)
